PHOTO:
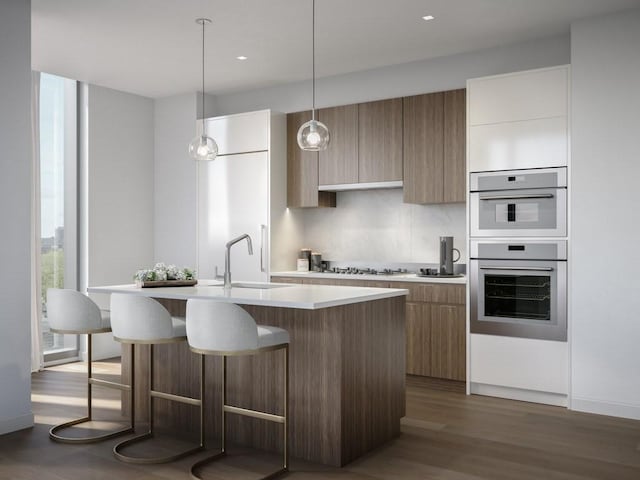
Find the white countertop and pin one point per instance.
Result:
(401, 277)
(287, 295)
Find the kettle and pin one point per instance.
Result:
(446, 255)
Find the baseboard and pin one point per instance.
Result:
(9, 425)
(623, 410)
(547, 398)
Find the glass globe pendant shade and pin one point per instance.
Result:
(203, 148)
(313, 136)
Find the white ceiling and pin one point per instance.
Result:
(152, 47)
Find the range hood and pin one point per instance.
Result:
(341, 187)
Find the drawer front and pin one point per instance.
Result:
(333, 281)
(434, 293)
(286, 280)
(321, 281)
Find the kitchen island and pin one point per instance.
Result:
(347, 368)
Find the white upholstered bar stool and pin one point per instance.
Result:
(140, 320)
(225, 329)
(71, 312)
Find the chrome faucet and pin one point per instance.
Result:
(227, 257)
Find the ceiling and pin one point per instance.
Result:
(152, 47)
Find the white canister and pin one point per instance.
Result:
(303, 265)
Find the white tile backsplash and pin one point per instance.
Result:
(375, 225)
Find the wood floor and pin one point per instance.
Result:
(446, 435)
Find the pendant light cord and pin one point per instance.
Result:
(313, 56)
(204, 133)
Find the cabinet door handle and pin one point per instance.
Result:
(526, 269)
(263, 230)
(518, 197)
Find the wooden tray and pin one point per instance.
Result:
(166, 283)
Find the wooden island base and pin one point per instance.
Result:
(347, 381)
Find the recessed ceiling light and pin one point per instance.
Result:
(428, 17)
(241, 57)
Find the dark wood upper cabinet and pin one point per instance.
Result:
(338, 164)
(302, 170)
(455, 114)
(434, 147)
(380, 141)
(420, 140)
(423, 148)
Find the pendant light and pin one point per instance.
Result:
(202, 147)
(313, 135)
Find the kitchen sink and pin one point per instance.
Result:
(260, 286)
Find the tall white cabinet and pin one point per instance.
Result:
(244, 191)
(518, 121)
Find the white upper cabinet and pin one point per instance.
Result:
(519, 120)
(519, 96)
(242, 133)
(540, 143)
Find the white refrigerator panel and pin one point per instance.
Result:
(240, 133)
(233, 199)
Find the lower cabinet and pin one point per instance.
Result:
(436, 324)
(448, 342)
(418, 339)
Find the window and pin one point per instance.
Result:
(58, 202)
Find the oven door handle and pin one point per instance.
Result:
(518, 197)
(526, 269)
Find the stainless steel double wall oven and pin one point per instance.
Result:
(518, 269)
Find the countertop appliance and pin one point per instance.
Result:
(518, 288)
(519, 203)
(446, 256)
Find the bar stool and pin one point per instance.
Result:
(71, 312)
(225, 329)
(140, 320)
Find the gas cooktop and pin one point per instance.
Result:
(365, 271)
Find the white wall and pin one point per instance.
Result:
(604, 253)
(175, 178)
(15, 204)
(376, 226)
(120, 192)
(444, 73)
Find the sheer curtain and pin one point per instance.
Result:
(37, 359)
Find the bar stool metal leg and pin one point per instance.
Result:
(54, 431)
(117, 450)
(285, 434)
(283, 419)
